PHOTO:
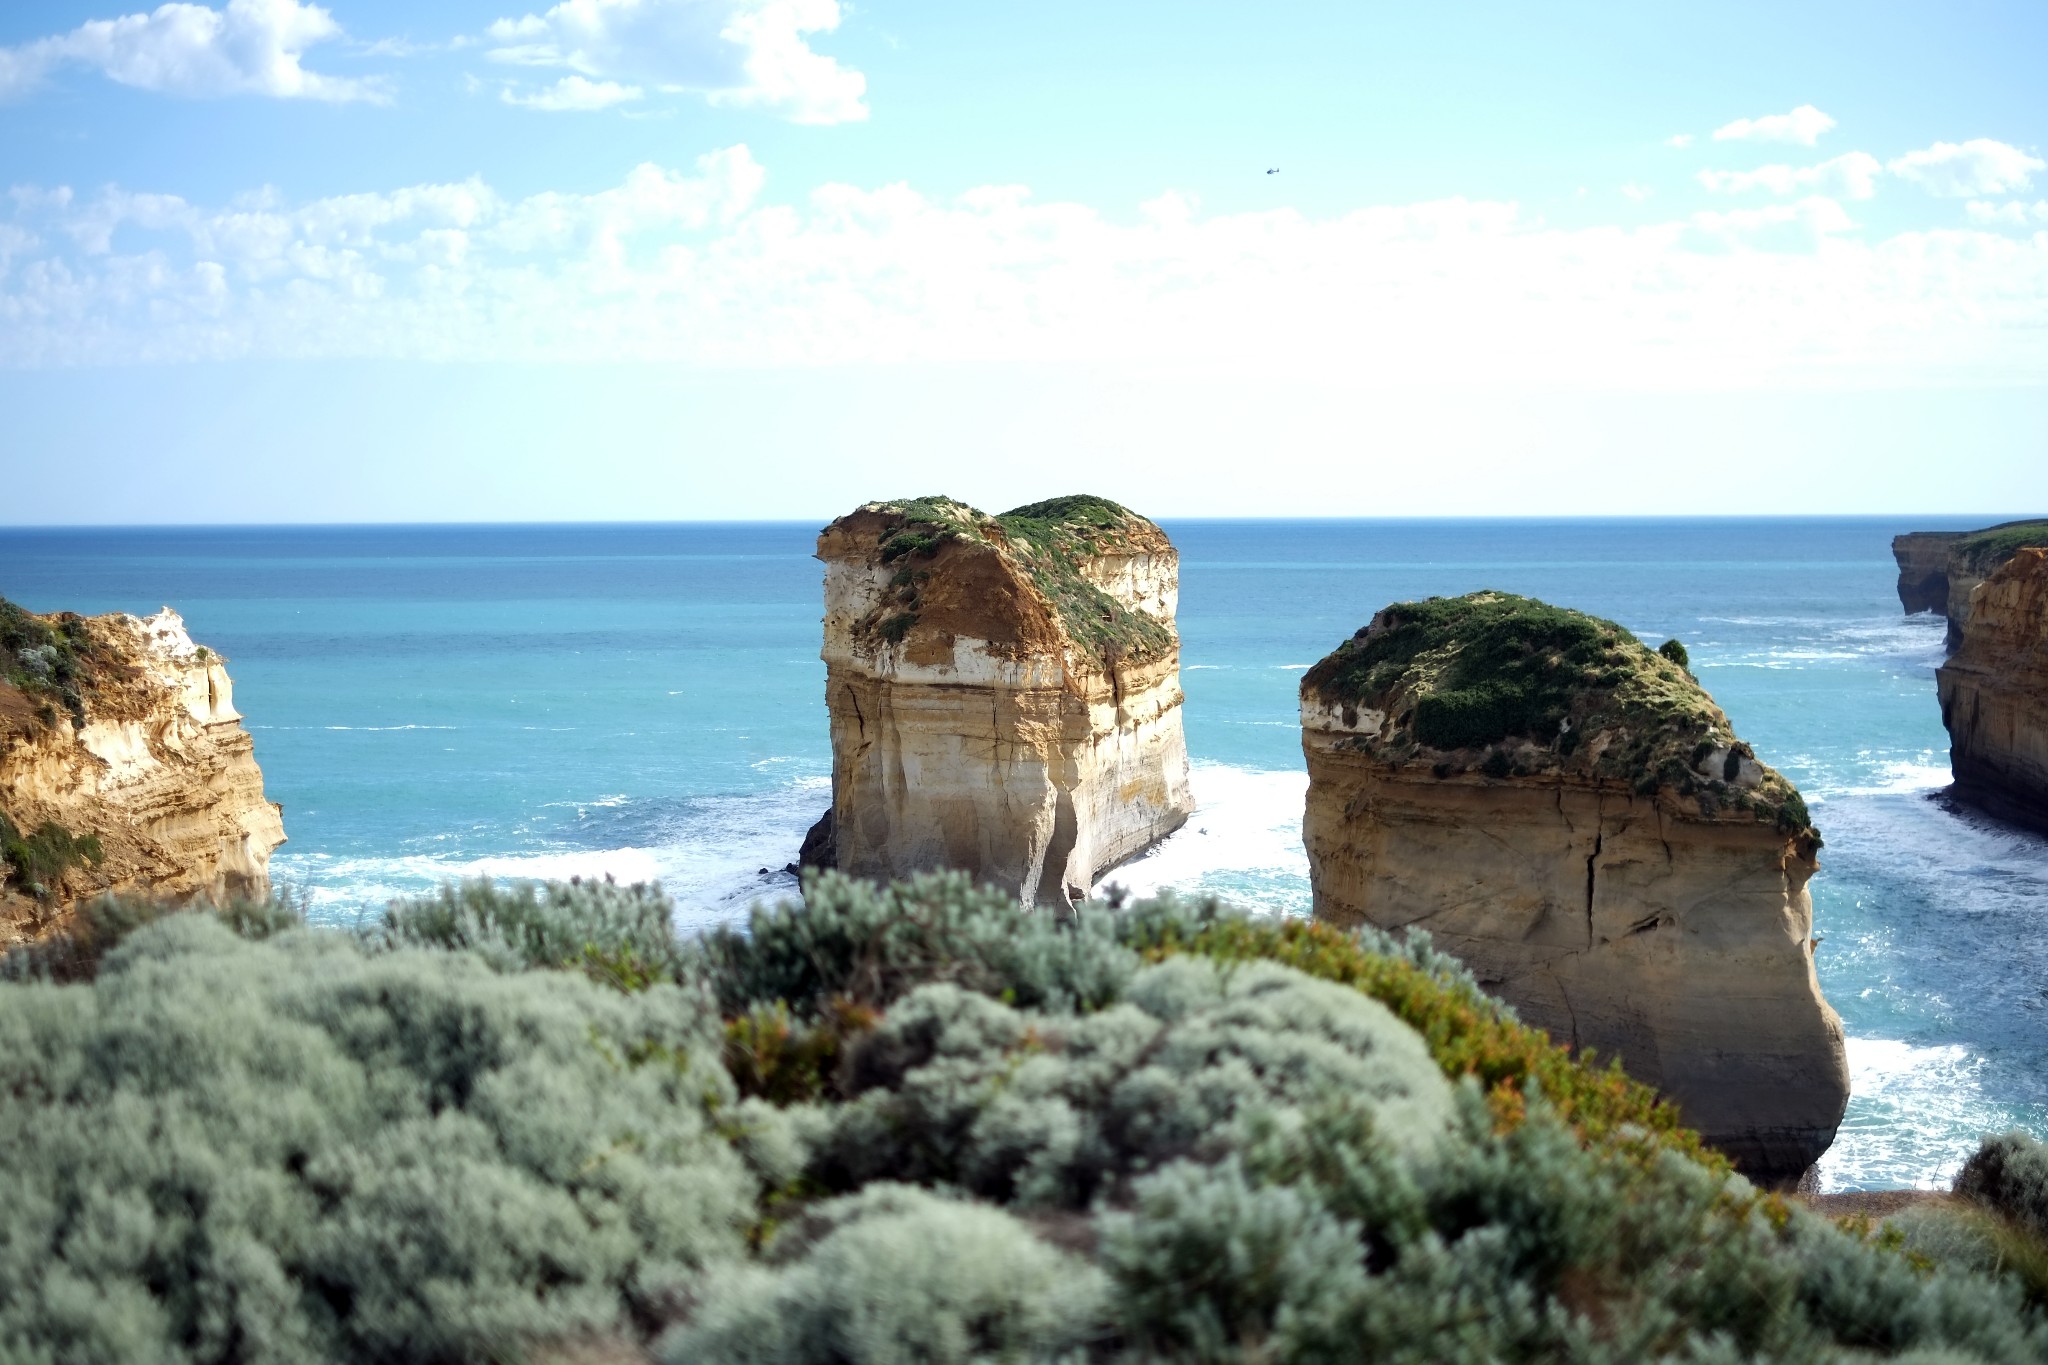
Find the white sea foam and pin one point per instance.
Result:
(1242, 843)
(1912, 1115)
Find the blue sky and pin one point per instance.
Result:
(272, 261)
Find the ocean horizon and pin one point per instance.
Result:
(644, 700)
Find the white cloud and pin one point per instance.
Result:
(1679, 140)
(1961, 170)
(574, 93)
(697, 267)
(1852, 176)
(248, 47)
(2012, 213)
(733, 52)
(1637, 193)
(1803, 125)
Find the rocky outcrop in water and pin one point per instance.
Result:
(1004, 692)
(123, 767)
(1994, 694)
(1570, 814)
(1940, 570)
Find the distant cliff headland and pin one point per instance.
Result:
(1992, 586)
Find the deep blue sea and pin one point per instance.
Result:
(432, 702)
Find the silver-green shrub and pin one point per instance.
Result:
(966, 1134)
(293, 1151)
(610, 930)
(2009, 1175)
(1042, 1110)
(898, 1274)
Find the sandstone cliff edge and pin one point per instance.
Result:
(123, 767)
(1569, 813)
(1939, 570)
(1004, 692)
(1994, 694)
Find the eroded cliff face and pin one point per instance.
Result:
(1940, 571)
(1923, 569)
(123, 767)
(1994, 694)
(1569, 814)
(1004, 693)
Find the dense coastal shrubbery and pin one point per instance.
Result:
(905, 1123)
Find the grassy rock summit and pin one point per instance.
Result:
(1994, 693)
(1004, 692)
(123, 767)
(1567, 812)
(899, 1123)
(1939, 570)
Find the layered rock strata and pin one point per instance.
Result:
(1994, 694)
(123, 767)
(1940, 570)
(1570, 814)
(1004, 693)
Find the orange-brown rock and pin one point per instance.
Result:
(1569, 814)
(120, 742)
(1004, 693)
(1994, 693)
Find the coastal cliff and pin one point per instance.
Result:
(1994, 693)
(1940, 570)
(123, 767)
(1570, 814)
(1004, 693)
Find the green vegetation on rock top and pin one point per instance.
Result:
(46, 662)
(1983, 551)
(896, 1123)
(1050, 540)
(1525, 687)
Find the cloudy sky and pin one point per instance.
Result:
(265, 260)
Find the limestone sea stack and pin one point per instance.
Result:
(123, 767)
(1569, 813)
(1004, 692)
(1939, 570)
(1994, 693)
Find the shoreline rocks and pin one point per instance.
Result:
(1004, 693)
(1568, 812)
(123, 767)
(1994, 694)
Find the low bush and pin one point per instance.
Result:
(903, 1124)
(35, 863)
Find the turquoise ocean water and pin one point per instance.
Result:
(435, 702)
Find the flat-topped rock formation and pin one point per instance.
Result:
(1004, 692)
(1571, 815)
(123, 767)
(1939, 570)
(1994, 693)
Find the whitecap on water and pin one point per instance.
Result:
(1243, 843)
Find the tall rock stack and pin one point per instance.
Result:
(1994, 693)
(1569, 813)
(1004, 692)
(123, 767)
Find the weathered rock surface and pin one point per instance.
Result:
(1923, 569)
(1571, 815)
(1940, 570)
(1004, 692)
(123, 767)
(1994, 694)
